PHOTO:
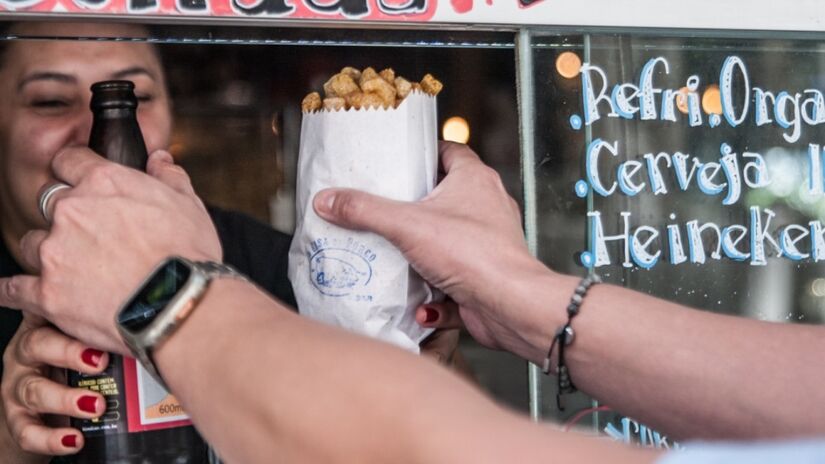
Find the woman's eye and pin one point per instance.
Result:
(144, 97)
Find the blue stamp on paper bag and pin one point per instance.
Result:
(340, 267)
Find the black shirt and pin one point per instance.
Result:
(253, 248)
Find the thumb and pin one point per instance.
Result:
(357, 210)
(162, 166)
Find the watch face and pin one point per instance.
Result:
(161, 287)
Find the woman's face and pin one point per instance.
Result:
(44, 106)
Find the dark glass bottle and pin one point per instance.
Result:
(142, 423)
(115, 130)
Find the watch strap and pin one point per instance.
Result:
(215, 270)
(142, 347)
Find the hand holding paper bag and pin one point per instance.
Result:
(353, 279)
(462, 238)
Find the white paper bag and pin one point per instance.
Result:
(358, 280)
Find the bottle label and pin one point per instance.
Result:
(149, 405)
(108, 384)
(135, 402)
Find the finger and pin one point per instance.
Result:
(30, 247)
(162, 166)
(48, 346)
(441, 345)
(439, 315)
(73, 164)
(353, 209)
(162, 156)
(21, 292)
(41, 395)
(34, 437)
(454, 155)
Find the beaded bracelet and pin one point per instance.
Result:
(564, 336)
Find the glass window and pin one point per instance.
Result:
(236, 94)
(681, 170)
(682, 167)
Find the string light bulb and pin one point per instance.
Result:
(568, 65)
(456, 129)
(712, 100)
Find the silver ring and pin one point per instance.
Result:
(47, 195)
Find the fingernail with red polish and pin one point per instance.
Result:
(431, 315)
(92, 357)
(69, 441)
(87, 404)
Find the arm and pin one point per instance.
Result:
(689, 373)
(305, 392)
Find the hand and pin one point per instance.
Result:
(465, 238)
(28, 391)
(108, 232)
(441, 346)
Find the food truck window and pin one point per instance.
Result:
(706, 154)
(689, 168)
(236, 101)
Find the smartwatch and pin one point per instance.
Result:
(162, 302)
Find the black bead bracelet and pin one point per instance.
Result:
(564, 336)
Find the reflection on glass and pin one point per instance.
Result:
(678, 162)
(712, 100)
(456, 129)
(568, 65)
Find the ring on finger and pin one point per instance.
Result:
(46, 197)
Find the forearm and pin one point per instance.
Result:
(690, 373)
(280, 386)
(262, 383)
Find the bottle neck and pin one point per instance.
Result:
(114, 113)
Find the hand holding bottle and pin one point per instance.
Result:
(29, 391)
(111, 215)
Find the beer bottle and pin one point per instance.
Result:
(143, 423)
(115, 131)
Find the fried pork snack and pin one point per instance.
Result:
(365, 100)
(403, 87)
(378, 86)
(340, 85)
(431, 85)
(334, 103)
(312, 102)
(367, 75)
(388, 75)
(356, 89)
(355, 74)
